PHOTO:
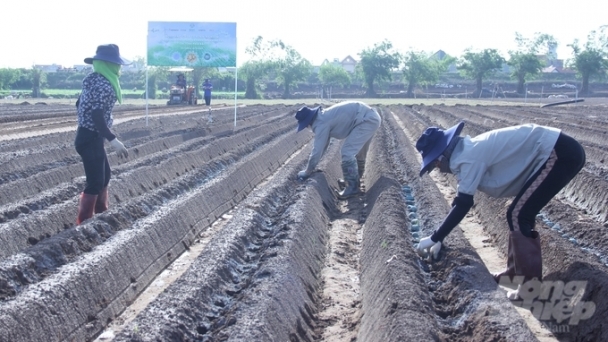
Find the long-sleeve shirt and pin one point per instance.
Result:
(207, 87)
(498, 163)
(95, 105)
(337, 122)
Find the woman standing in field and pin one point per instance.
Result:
(100, 91)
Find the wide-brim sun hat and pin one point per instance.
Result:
(109, 53)
(305, 115)
(433, 142)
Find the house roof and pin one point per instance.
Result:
(349, 59)
(440, 54)
(550, 69)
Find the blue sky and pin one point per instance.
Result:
(65, 32)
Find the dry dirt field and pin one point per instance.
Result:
(210, 237)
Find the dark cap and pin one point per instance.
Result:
(108, 53)
(305, 115)
(433, 142)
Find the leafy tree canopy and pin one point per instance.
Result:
(420, 68)
(524, 61)
(333, 75)
(291, 68)
(8, 76)
(377, 63)
(479, 65)
(591, 59)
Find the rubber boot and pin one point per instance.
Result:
(351, 176)
(341, 183)
(102, 203)
(527, 258)
(510, 270)
(360, 169)
(86, 207)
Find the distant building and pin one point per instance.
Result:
(83, 67)
(348, 64)
(550, 64)
(132, 68)
(66, 69)
(550, 70)
(440, 55)
(48, 68)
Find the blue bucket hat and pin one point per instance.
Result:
(433, 142)
(108, 53)
(305, 115)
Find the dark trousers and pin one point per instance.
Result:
(89, 145)
(207, 100)
(566, 160)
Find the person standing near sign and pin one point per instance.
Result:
(100, 91)
(207, 87)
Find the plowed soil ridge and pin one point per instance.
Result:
(581, 259)
(240, 179)
(272, 248)
(391, 311)
(260, 277)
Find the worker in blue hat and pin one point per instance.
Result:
(353, 121)
(100, 91)
(529, 162)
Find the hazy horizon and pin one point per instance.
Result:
(64, 32)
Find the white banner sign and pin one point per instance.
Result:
(191, 44)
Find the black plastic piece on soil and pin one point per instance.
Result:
(202, 328)
(556, 226)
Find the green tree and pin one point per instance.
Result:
(136, 79)
(376, 64)
(524, 61)
(139, 62)
(420, 69)
(252, 72)
(590, 60)
(257, 67)
(226, 81)
(155, 74)
(8, 76)
(332, 75)
(290, 67)
(479, 65)
(24, 81)
(525, 66)
(38, 77)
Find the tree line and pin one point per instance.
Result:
(278, 62)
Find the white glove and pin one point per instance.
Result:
(435, 250)
(428, 244)
(303, 174)
(120, 149)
